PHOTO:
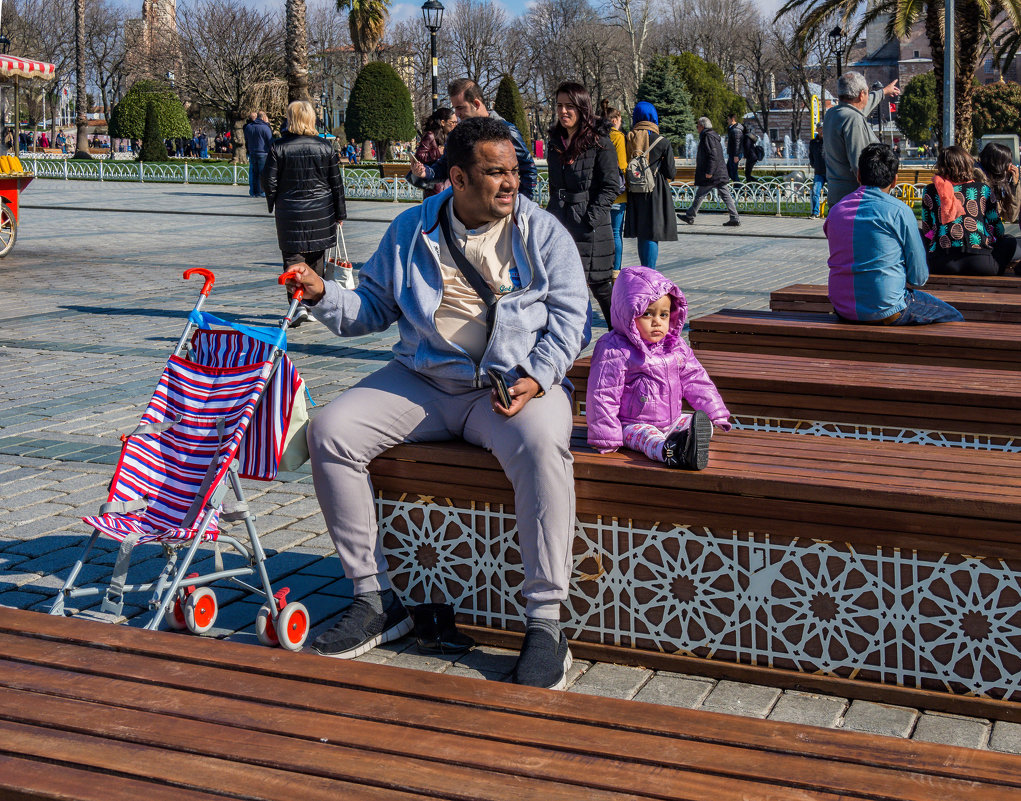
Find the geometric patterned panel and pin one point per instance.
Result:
(914, 436)
(911, 618)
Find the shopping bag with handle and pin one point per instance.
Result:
(338, 265)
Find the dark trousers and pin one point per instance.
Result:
(924, 308)
(748, 165)
(601, 291)
(256, 163)
(976, 262)
(733, 169)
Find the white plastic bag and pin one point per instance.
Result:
(338, 265)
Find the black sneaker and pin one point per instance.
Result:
(689, 449)
(731, 223)
(686, 219)
(362, 629)
(543, 662)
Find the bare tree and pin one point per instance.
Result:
(226, 47)
(754, 79)
(476, 29)
(42, 29)
(105, 51)
(633, 17)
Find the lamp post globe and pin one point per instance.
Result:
(432, 15)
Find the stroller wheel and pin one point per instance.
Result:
(175, 616)
(200, 610)
(292, 626)
(264, 628)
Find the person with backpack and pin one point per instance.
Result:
(710, 173)
(735, 147)
(650, 168)
(754, 152)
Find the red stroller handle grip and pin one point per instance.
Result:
(206, 274)
(298, 293)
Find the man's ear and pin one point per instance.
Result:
(458, 178)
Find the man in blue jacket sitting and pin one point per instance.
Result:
(531, 327)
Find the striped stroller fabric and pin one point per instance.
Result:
(169, 468)
(263, 445)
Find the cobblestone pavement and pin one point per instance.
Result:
(92, 304)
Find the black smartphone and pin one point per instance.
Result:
(502, 392)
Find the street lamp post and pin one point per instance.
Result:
(837, 42)
(322, 104)
(432, 13)
(5, 46)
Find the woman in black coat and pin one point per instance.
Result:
(584, 180)
(650, 215)
(304, 188)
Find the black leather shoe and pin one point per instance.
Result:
(436, 631)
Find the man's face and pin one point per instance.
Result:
(487, 189)
(463, 109)
(699, 128)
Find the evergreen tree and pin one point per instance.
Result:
(997, 109)
(153, 148)
(379, 108)
(710, 95)
(917, 114)
(662, 86)
(508, 105)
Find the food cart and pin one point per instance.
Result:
(13, 177)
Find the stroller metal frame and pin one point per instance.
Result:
(185, 600)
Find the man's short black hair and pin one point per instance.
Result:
(878, 165)
(462, 141)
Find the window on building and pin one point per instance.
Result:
(916, 54)
(989, 66)
(774, 135)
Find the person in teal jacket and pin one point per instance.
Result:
(437, 386)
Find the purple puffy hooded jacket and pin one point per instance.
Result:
(632, 381)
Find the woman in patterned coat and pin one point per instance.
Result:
(963, 231)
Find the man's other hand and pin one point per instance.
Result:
(417, 167)
(306, 278)
(523, 390)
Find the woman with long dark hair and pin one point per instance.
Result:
(960, 222)
(584, 181)
(440, 123)
(1002, 176)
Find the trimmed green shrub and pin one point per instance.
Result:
(153, 148)
(127, 120)
(662, 86)
(508, 105)
(379, 109)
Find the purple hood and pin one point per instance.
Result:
(633, 291)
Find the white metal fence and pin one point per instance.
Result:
(778, 196)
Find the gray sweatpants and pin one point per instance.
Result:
(395, 405)
(724, 192)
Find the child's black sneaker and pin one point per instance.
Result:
(689, 449)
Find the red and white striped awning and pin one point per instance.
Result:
(11, 66)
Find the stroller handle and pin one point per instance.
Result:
(210, 279)
(298, 293)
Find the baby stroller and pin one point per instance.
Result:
(221, 411)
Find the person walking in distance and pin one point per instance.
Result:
(817, 160)
(735, 147)
(258, 138)
(710, 174)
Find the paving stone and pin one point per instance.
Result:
(1006, 737)
(324, 566)
(612, 681)
(281, 539)
(935, 727)
(485, 662)
(24, 499)
(809, 709)
(893, 721)
(411, 658)
(735, 698)
(675, 689)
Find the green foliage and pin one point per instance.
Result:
(710, 95)
(153, 148)
(508, 105)
(662, 86)
(379, 108)
(997, 109)
(127, 120)
(917, 112)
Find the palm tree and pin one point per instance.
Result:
(296, 51)
(81, 147)
(972, 23)
(366, 20)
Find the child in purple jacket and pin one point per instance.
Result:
(641, 373)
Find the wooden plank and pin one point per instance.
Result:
(999, 307)
(609, 725)
(1009, 282)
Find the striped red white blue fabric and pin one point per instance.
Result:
(226, 379)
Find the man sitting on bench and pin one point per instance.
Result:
(876, 252)
(478, 279)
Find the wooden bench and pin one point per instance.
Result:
(975, 283)
(786, 553)
(997, 307)
(915, 175)
(991, 346)
(927, 404)
(103, 713)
